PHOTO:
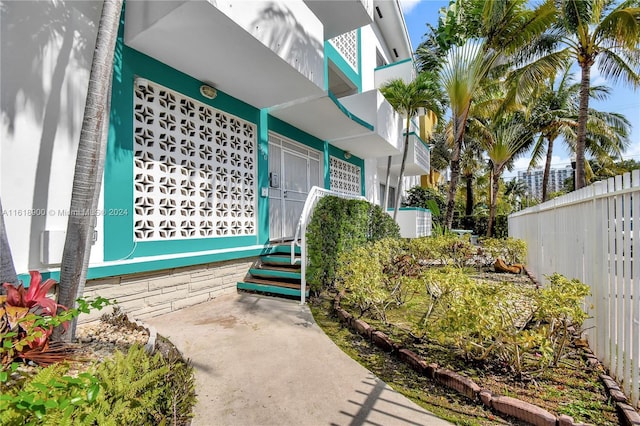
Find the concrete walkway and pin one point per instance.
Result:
(264, 361)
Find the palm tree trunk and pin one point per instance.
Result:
(495, 182)
(89, 167)
(582, 125)
(468, 209)
(547, 170)
(387, 181)
(404, 160)
(7, 269)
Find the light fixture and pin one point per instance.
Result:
(208, 91)
(347, 155)
(141, 83)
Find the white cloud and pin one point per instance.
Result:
(408, 5)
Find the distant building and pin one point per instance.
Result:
(533, 180)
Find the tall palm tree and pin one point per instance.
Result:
(492, 31)
(554, 114)
(461, 76)
(408, 99)
(504, 140)
(89, 164)
(600, 33)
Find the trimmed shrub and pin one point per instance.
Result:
(339, 225)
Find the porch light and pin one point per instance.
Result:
(208, 91)
(347, 155)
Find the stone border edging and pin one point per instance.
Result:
(153, 333)
(521, 410)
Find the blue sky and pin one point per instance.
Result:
(622, 100)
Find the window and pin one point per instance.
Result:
(391, 202)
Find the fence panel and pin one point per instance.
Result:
(589, 234)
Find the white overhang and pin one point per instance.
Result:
(363, 124)
(340, 17)
(263, 53)
(389, 18)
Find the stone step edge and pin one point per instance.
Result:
(514, 407)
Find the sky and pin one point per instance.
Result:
(623, 99)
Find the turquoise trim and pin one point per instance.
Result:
(413, 208)
(118, 181)
(332, 54)
(257, 272)
(381, 67)
(263, 177)
(279, 260)
(104, 271)
(349, 114)
(288, 131)
(418, 137)
(327, 164)
(282, 249)
(159, 248)
(270, 289)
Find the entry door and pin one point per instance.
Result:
(293, 170)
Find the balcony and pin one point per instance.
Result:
(418, 159)
(404, 70)
(263, 53)
(364, 124)
(339, 17)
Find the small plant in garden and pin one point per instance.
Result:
(27, 318)
(510, 250)
(560, 312)
(374, 276)
(134, 388)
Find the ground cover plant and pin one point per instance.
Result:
(50, 383)
(438, 298)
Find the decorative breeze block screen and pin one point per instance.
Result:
(194, 169)
(347, 45)
(345, 177)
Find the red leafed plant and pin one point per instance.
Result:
(27, 319)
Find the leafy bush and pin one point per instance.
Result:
(376, 276)
(524, 328)
(28, 317)
(136, 388)
(428, 198)
(447, 249)
(50, 397)
(510, 250)
(479, 223)
(339, 225)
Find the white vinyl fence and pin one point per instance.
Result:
(593, 235)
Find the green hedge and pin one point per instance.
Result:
(339, 225)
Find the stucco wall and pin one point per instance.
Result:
(45, 58)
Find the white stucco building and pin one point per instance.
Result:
(197, 182)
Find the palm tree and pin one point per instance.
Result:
(408, 99)
(515, 190)
(601, 33)
(7, 269)
(503, 141)
(554, 113)
(89, 164)
(503, 28)
(461, 76)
